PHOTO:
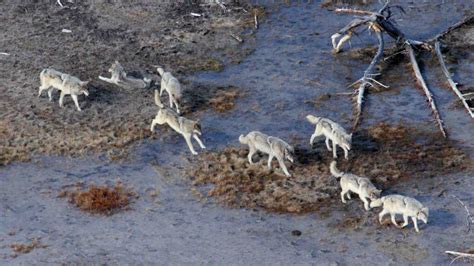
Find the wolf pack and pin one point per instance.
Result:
(335, 136)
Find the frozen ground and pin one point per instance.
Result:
(292, 63)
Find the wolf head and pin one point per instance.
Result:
(83, 85)
(423, 215)
(116, 67)
(313, 119)
(160, 71)
(376, 203)
(374, 194)
(290, 153)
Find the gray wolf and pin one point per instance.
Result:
(332, 131)
(406, 206)
(67, 84)
(186, 127)
(353, 183)
(273, 146)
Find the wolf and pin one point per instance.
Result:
(186, 127)
(406, 206)
(332, 131)
(172, 87)
(122, 79)
(352, 183)
(273, 146)
(67, 84)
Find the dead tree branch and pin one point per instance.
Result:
(466, 20)
(452, 84)
(423, 85)
(380, 22)
(365, 81)
(469, 217)
(459, 255)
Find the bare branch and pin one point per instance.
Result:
(459, 255)
(353, 11)
(423, 85)
(453, 84)
(466, 20)
(469, 217)
(365, 80)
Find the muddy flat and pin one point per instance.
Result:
(170, 207)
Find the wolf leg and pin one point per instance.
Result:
(50, 94)
(415, 223)
(176, 104)
(334, 151)
(270, 159)
(343, 192)
(283, 166)
(366, 203)
(393, 220)
(61, 99)
(346, 153)
(251, 153)
(74, 98)
(199, 141)
(41, 89)
(187, 137)
(405, 220)
(312, 139)
(328, 145)
(382, 214)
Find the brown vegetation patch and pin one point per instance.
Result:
(26, 248)
(100, 199)
(221, 99)
(384, 153)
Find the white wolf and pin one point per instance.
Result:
(272, 146)
(186, 127)
(67, 84)
(406, 206)
(122, 79)
(360, 185)
(172, 87)
(332, 131)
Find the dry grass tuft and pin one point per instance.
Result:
(26, 248)
(384, 153)
(220, 99)
(100, 199)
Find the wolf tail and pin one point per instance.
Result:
(243, 139)
(334, 171)
(158, 100)
(313, 119)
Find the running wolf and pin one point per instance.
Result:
(186, 127)
(272, 146)
(406, 206)
(172, 87)
(353, 183)
(67, 84)
(332, 131)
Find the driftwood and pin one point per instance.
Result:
(454, 86)
(459, 255)
(423, 85)
(380, 23)
(122, 79)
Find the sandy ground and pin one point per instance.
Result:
(178, 227)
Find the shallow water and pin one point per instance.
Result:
(292, 63)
